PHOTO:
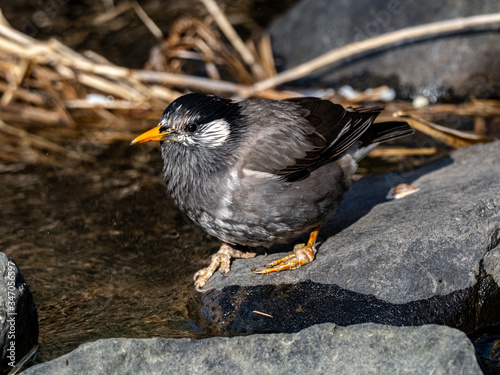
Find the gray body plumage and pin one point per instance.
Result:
(264, 171)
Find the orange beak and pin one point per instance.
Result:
(154, 135)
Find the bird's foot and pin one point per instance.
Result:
(301, 255)
(220, 260)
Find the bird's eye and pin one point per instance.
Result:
(191, 128)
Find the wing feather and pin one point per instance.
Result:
(299, 135)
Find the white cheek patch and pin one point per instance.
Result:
(215, 133)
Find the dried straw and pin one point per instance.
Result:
(46, 85)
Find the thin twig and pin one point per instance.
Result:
(385, 151)
(476, 107)
(187, 81)
(30, 115)
(420, 32)
(55, 53)
(451, 137)
(43, 76)
(43, 143)
(266, 56)
(24, 94)
(15, 78)
(3, 20)
(107, 86)
(111, 104)
(155, 30)
(233, 37)
(262, 313)
(111, 14)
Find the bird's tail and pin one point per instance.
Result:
(385, 131)
(378, 133)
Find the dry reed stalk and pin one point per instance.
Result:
(24, 95)
(234, 38)
(30, 115)
(387, 151)
(155, 30)
(43, 143)
(479, 126)
(476, 107)
(89, 103)
(63, 80)
(112, 14)
(103, 76)
(14, 77)
(53, 53)
(42, 75)
(415, 33)
(451, 137)
(266, 56)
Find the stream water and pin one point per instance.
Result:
(102, 248)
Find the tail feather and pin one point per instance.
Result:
(378, 133)
(385, 131)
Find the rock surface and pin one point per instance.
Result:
(463, 63)
(431, 257)
(18, 315)
(325, 348)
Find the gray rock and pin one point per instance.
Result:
(321, 349)
(18, 315)
(465, 63)
(492, 262)
(416, 260)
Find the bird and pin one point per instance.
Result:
(257, 171)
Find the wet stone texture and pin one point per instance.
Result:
(321, 349)
(431, 257)
(460, 64)
(18, 315)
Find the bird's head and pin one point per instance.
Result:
(197, 122)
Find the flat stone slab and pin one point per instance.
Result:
(431, 257)
(321, 349)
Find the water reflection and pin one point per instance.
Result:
(103, 249)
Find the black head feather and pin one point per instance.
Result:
(205, 130)
(198, 109)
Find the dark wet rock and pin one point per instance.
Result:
(463, 63)
(487, 344)
(18, 315)
(431, 257)
(325, 348)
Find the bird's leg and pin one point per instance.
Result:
(302, 254)
(222, 260)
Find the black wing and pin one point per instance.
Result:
(340, 127)
(314, 133)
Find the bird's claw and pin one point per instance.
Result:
(220, 260)
(201, 277)
(301, 255)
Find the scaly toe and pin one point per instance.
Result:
(301, 255)
(220, 260)
(281, 266)
(200, 279)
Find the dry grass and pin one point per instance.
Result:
(53, 96)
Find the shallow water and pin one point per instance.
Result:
(103, 249)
